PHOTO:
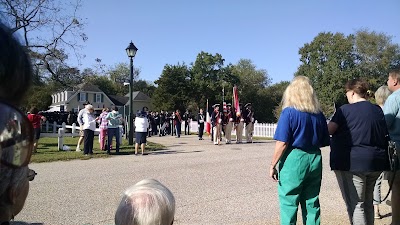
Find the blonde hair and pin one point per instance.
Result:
(301, 96)
(382, 94)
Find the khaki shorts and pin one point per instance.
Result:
(81, 134)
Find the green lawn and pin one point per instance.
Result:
(47, 150)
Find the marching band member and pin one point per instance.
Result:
(249, 120)
(216, 120)
(239, 125)
(178, 123)
(200, 121)
(228, 123)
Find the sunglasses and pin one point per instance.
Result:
(31, 175)
(16, 137)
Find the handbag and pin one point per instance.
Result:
(393, 158)
(394, 163)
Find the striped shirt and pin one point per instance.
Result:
(103, 121)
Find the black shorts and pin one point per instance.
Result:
(36, 133)
(141, 137)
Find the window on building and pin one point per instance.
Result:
(82, 97)
(98, 97)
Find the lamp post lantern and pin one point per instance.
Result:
(131, 51)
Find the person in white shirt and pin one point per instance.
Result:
(141, 125)
(89, 126)
(80, 122)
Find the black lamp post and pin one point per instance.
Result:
(131, 51)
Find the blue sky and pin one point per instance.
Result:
(269, 33)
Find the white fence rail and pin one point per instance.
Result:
(51, 129)
(260, 129)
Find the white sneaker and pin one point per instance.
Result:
(215, 143)
(78, 149)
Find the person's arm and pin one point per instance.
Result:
(280, 148)
(283, 135)
(337, 119)
(80, 118)
(390, 109)
(108, 117)
(332, 127)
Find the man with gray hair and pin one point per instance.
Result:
(391, 110)
(148, 202)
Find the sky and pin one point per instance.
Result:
(269, 33)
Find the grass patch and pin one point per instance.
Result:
(47, 150)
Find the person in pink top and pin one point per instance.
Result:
(36, 119)
(103, 128)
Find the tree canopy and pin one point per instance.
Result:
(332, 59)
(50, 30)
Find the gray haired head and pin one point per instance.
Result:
(148, 202)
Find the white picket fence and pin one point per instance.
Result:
(264, 129)
(260, 129)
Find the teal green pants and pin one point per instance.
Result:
(300, 175)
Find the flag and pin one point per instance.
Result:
(236, 100)
(208, 121)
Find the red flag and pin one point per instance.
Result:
(236, 100)
(208, 120)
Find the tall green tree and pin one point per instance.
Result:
(104, 83)
(119, 74)
(375, 54)
(328, 61)
(207, 78)
(172, 89)
(39, 97)
(251, 79)
(252, 85)
(144, 86)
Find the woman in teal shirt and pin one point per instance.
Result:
(300, 133)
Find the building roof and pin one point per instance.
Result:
(88, 87)
(138, 96)
(118, 100)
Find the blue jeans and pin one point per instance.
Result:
(357, 192)
(111, 133)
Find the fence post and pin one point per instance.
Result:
(60, 138)
(120, 134)
(54, 127)
(47, 126)
(73, 128)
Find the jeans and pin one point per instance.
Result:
(377, 190)
(357, 192)
(111, 133)
(88, 141)
(201, 130)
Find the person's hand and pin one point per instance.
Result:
(273, 173)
